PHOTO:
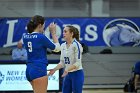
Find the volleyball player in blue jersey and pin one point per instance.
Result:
(36, 43)
(137, 75)
(71, 56)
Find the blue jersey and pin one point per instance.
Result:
(137, 68)
(36, 44)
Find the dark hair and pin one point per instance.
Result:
(75, 32)
(34, 22)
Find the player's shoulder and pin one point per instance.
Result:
(24, 34)
(63, 44)
(138, 63)
(41, 36)
(76, 43)
(38, 34)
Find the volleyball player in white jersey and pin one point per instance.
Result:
(71, 56)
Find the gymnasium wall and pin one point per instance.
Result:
(101, 70)
(70, 8)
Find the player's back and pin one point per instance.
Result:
(36, 44)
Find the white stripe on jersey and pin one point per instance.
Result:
(72, 55)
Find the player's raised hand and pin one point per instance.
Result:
(52, 28)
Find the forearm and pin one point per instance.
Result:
(59, 66)
(72, 67)
(52, 29)
(55, 38)
(77, 64)
(136, 81)
(15, 57)
(24, 58)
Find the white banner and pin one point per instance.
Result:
(12, 78)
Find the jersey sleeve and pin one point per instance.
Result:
(78, 53)
(49, 44)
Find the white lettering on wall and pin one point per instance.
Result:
(90, 33)
(91, 30)
(11, 24)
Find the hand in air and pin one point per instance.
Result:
(52, 28)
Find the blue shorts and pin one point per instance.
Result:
(137, 68)
(73, 82)
(35, 70)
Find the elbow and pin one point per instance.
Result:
(57, 47)
(76, 66)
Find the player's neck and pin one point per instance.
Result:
(69, 41)
(36, 30)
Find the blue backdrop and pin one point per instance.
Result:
(93, 31)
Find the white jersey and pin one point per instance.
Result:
(71, 55)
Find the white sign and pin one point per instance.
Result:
(13, 78)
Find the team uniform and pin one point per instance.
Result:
(137, 68)
(74, 80)
(36, 44)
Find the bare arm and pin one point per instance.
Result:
(52, 71)
(52, 29)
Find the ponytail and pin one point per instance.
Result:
(34, 22)
(76, 34)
